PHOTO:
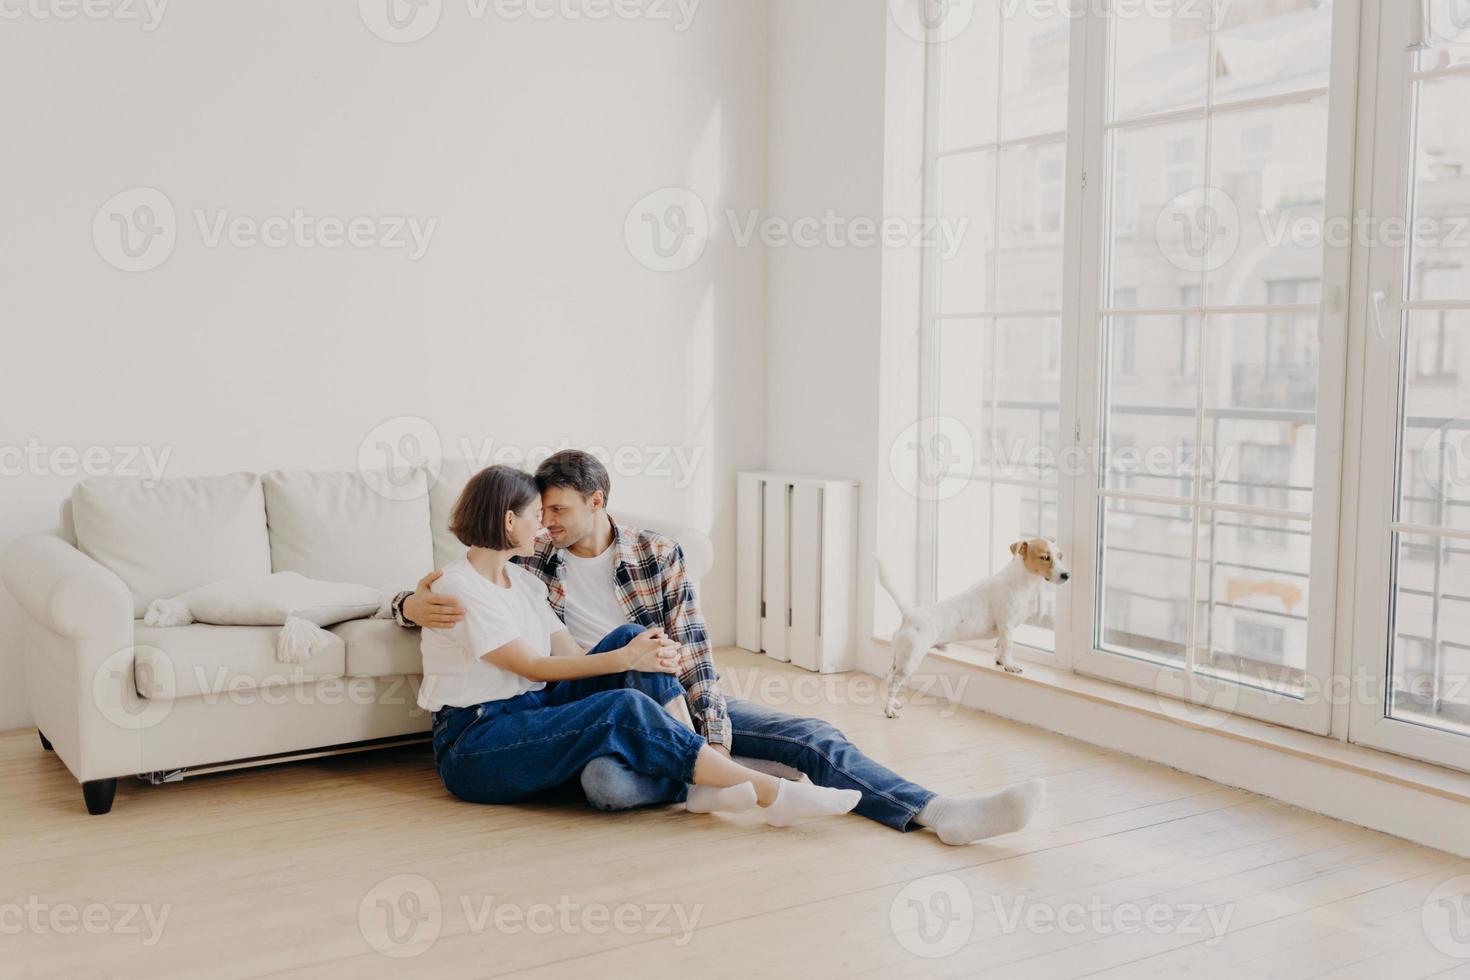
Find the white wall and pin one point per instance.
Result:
(841, 372)
(527, 321)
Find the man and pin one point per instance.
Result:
(600, 574)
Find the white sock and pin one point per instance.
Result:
(966, 819)
(720, 799)
(795, 802)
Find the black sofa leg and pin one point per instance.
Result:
(45, 742)
(99, 793)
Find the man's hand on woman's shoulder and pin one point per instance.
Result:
(435, 612)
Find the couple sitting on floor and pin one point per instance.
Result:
(582, 654)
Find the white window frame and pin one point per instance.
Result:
(1088, 195)
(1379, 291)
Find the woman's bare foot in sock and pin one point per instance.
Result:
(711, 799)
(794, 802)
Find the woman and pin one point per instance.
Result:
(518, 709)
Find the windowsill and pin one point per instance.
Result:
(1410, 773)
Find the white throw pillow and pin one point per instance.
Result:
(286, 599)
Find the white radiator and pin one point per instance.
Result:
(796, 569)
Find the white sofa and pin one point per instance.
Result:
(114, 697)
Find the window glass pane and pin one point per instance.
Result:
(1028, 389)
(966, 188)
(1161, 50)
(1149, 426)
(969, 79)
(966, 517)
(1271, 47)
(1441, 240)
(1154, 240)
(1270, 167)
(965, 393)
(1431, 641)
(1037, 46)
(1449, 35)
(1261, 410)
(1253, 600)
(1144, 589)
(1435, 479)
(1032, 201)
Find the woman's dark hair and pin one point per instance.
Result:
(479, 514)
(576, 469)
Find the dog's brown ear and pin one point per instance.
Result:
(1019, 548)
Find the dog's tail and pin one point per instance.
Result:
(903, 606)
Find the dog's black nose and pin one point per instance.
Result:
(1066, 575)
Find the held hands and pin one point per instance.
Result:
(435, 612)
(651, 652)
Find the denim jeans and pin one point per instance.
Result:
(809, 745)
(510, 750)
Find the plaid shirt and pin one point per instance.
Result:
(655, 591)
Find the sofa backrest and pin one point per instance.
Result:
(368, 528)
(386, 530)
(174, 535)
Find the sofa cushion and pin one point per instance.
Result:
(453, 475)
(169, 536)
(172, 663)
(380, 648)
(339, 527)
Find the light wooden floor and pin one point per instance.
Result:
(275, 871)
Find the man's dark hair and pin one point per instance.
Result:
(576, 469)
(479, 513)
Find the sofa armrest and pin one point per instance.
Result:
(64, 590)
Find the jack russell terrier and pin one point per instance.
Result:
(989, 610)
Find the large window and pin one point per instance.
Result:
(1211, 328)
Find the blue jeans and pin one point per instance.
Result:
(514, 749)
(809, 745)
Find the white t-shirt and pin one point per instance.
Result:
(592, 605)
(454, 673)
